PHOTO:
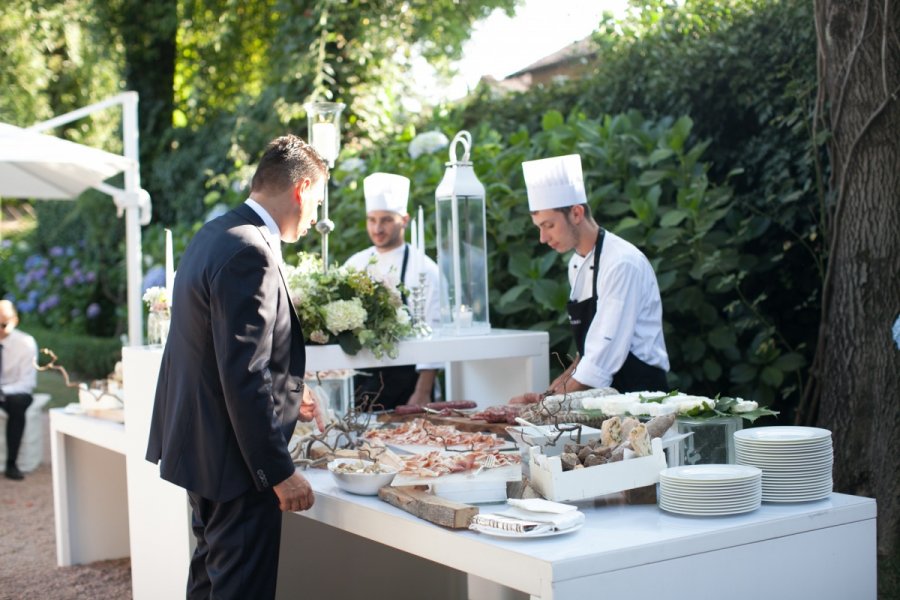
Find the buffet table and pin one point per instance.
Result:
(823, 549)
(355, 546)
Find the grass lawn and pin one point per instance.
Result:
(51, 382)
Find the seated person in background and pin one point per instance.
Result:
(18, 378)
(386, 219)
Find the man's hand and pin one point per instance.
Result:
(294, 493)
(424, 385)
(309, 409)
(528, 398)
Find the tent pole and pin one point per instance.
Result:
(132, 220)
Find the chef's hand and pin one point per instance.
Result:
(309, 409)
(294, 493)
(527, 398)
(419, 398)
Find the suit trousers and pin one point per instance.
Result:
(15, 406)
(238, 543)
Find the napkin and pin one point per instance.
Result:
(553, 521)
(540, 505)
(530, 516)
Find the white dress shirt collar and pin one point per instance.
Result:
(274, 232)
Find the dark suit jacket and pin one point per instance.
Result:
(231, 379)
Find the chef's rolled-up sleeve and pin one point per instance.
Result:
(611, 332)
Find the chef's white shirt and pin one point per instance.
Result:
(387, 267)
(629, 311)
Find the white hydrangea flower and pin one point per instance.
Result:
(344, 315)
(427, 143)
(402, 315)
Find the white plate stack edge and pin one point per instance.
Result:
(710, 490)
(796, 462)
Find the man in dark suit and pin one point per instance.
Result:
(230, 385)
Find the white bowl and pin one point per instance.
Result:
(364, 484)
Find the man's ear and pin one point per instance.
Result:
(577, 212)
(301, 188)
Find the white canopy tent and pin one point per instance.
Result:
(35, 165)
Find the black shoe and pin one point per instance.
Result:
(14, 473)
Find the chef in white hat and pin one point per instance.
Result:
(614, 305)
(391, 260)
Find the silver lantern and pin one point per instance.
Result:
(462, 245)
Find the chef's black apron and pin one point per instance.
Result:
(635, 375)
(399, 382)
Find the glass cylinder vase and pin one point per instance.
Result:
(712, 442)
(158, 327)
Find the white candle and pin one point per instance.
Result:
(324, 140)
(414, 251)
(170, 265)
(465, 316)
(421, 240)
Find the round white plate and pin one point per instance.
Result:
(754, 459)
(782, 434)
(710, 493)
(515, 534)
(708, 513)
(719, 506)
(710, 500)
(784, 456)
(796, 477)
(709, 473)
(797, 498)
(769, 488)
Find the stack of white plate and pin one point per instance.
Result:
(709, 490)
(796, 461)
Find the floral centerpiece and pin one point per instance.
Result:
(348, 307)
(157, 300)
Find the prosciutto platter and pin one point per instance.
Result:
(420, 432)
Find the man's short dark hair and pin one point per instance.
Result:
(568, 209)
(287, 160)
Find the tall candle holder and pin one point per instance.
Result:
(418, 293)
(324, 132)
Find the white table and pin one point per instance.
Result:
(350, 545)
(89, 496)
(822, 550)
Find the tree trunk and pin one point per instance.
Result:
(855, 387)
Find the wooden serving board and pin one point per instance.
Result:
(425, 505)
(461, 423)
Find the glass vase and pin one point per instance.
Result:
(158, 327)
(712, 441)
